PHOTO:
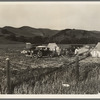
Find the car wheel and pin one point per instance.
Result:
(51, 54)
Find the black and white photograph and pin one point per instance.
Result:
(50, 48)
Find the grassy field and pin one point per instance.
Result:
(63, 81)
(48, 75)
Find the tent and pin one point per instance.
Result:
(28, 45)
(54, 47)
(83, 50)
(96, 51)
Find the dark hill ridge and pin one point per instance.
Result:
(76, 36)
(30, 32)
(40, 35)
(26, 34)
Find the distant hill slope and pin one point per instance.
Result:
(76, 36)
(38, 35)
(26, 34)
(29, 31)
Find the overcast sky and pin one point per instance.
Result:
(53, 15)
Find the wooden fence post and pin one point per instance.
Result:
(8, 76)
(77, 68)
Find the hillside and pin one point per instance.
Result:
(38, 35)
(26, 34)
(29, 31)
(76, 36)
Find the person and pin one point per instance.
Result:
(76, 50)
(66, 52)
(73, 49)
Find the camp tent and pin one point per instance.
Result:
(54, 47)
(28, 45)
(83, 50)
(96, 51)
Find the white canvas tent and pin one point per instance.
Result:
(83, 50)
(28, 45)
(54, 47)
(96, 51)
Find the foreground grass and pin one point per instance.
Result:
(45, 76)
(53, 83)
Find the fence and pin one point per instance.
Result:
(23, 76)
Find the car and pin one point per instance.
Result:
(40, 51)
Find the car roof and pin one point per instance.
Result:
(41, 46)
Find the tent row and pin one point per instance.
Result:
(94, 52)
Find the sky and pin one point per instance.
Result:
(52, 15)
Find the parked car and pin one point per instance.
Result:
(40, 51)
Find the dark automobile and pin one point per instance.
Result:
(40, 51)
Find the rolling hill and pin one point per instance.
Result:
(76, 36)
(26, 34)
(10, 34)
(29, 31)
